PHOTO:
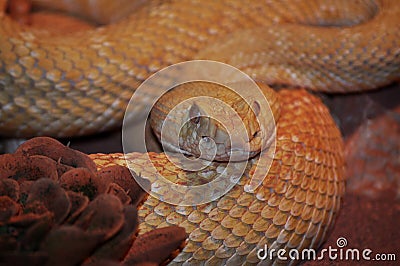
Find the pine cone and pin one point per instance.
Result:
(57, 209)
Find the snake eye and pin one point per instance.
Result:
(194, 114)
(256, 108)
(195, 120)
(206, 139)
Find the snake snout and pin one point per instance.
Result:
(216, 123)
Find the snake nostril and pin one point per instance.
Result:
(256, 134)
(256, 108)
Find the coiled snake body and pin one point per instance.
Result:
(80, 83)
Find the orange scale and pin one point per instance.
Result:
(299, 163)
(288, 158)
(287, 145)
(274, 200)
(297, 209)
(331, 188)
(297, 178)
(290, 194)
(309, 168)
(273, 231)
(310, 198)
(280, 218)
(307, 213)
(301, 227)
(318, 215)
(330, 203)
(306, 182)
(312, 231)
(322, 186)
(300, 195)
(314, 183)
(320, 201)
(291, 223)
(261, 224)
(275, 167)
(269, 212)
(281, 187)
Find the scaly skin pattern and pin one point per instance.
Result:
(294, 208)
(79, 83)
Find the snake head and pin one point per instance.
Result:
(213, 122)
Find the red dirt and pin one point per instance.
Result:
(366, 223)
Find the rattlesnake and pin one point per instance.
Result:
(80, 83)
